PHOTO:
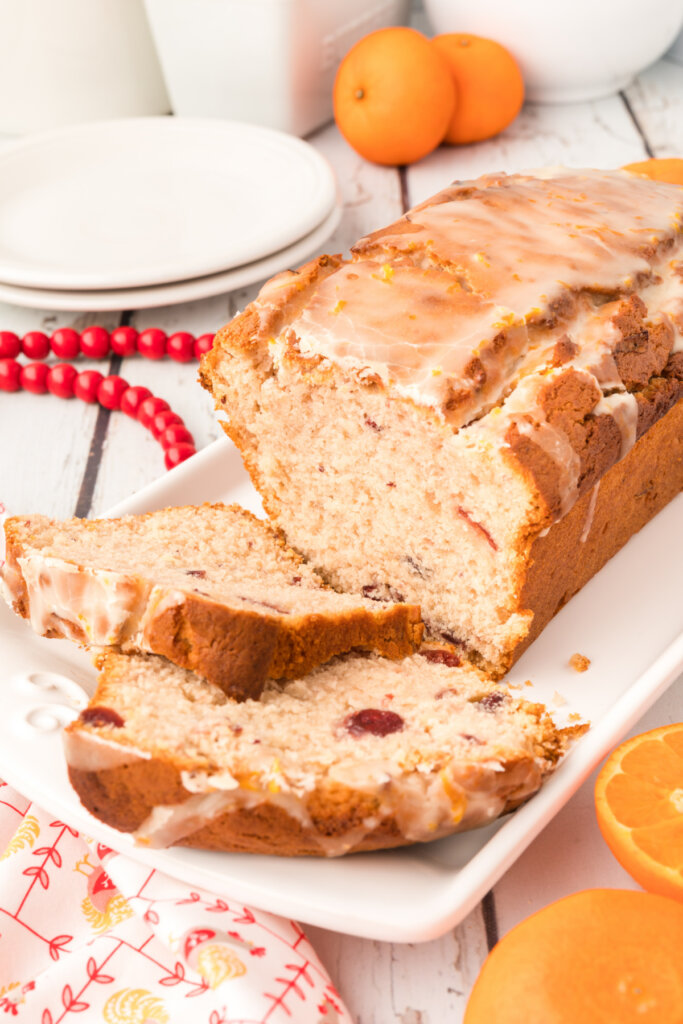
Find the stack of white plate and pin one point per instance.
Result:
(153, 211)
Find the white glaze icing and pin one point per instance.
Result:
(86, 605)
(458, 306)
(425, 805)
(623, 407)
(590, 513)
(90, 752)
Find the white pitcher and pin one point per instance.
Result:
(64, 61)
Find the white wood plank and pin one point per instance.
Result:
(45, 440)
(384, 983)
(599, 134)
(656, 97)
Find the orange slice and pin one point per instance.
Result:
(639, 803)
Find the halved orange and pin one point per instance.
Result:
(659, 168)
(602, 956)
(639, 804)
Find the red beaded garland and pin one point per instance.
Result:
(132, 398)
(177, 453)
(10, 375)
(60, 380)
(124, 341)
(65, 343)
(95, 342)
(34, 378)
(149, 409)
(203, 344)
(152, 343)
(110, 391)
(35, 345)
(180, 346)
(175, 434)
(10, 345)
(162, 421)
(87, 384)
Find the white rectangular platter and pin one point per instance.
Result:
(628, 621)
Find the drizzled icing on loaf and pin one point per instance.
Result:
(473, 302)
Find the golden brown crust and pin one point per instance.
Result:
(233, 648)
(629, 495)
(395, 633)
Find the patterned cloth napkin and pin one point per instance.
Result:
(85, 930)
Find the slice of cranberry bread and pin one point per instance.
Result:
(212, 588)
(362, 754)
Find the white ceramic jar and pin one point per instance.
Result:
(568, 50)
(271, 62)
(65, 61)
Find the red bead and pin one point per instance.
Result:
(10, 346)
(87, 384)
(177, 453)
(175, 434)
(124, 341)
(110, 392)
(10, 375)
(203, 344)
(163, 420)
(35, 345)
(95, 342)
(132, 399)
(60, 380)
(149, 408)
(34, 378)
(180, 346)
(152, 343)
(65, 343)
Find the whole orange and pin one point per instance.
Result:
(602, 956)
(639, 804)
(488, 85)
(660, 168)
(393, 96)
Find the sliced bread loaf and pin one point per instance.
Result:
(362, 754)
(212, 588)
(502, 369)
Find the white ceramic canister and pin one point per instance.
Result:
(568, 51)
(271, 62)
(65, 61)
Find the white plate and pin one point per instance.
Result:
(179, 291)
(124, 204)
(627, 620)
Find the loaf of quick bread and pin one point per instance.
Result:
(364, 753)
(480, 407)
(210, 587)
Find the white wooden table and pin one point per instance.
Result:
(65, 458)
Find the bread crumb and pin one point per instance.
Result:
(527, 682)
(558, 700)
(574, 717)
(579, 662)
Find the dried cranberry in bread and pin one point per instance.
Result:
(480, 407)
(362, 754)
(210, 587)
